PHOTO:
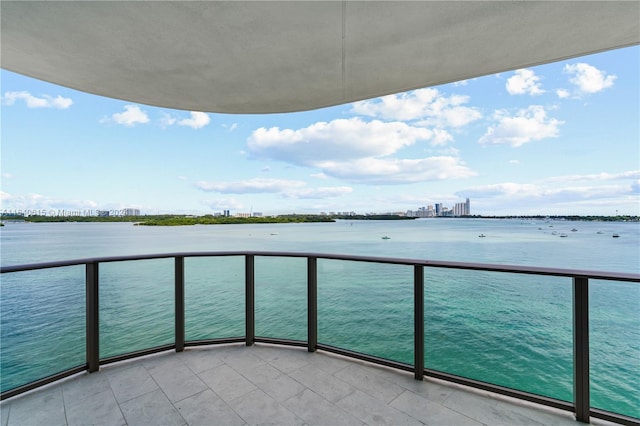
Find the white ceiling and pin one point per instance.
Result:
(267, 57)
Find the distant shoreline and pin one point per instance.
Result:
(186, 220)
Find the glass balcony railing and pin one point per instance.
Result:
(520, 331)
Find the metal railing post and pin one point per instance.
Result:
(312, 303)
(581, 348)
(250, 330)
(418, 321)
(179, 300)
(92, 342)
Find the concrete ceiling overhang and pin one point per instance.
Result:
(269, 57)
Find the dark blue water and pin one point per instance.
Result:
(509, 329)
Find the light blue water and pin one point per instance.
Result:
(509, 329)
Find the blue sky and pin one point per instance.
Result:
(560, 138)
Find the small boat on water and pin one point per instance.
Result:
(599, 232)
(563, 235)
(616, 236)
(481, 236)
(574, 230)
(386, 238)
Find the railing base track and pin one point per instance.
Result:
(44, 381)
(365, 357)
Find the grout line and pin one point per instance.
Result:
(64, 406)
(163, 393)
(8, 415)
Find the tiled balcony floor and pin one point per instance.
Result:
(263, 384)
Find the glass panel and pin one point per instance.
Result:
(42, 324)
(507, 329)
(281, 297)
(136, 305)
(214, 297)
(614, 346)
(366, 307)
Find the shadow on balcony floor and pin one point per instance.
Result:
(263, 384)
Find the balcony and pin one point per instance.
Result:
(270, 376)
(236, 385)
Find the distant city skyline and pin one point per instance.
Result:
(555, 139)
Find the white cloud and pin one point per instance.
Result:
(562, 194)
(223, 204)
(286, 188)
(358, 151)
(250, 186)
(604, 176)
(587, 78)
(231, 127)
(514, 161)
(319, 176)
(31, 101)
(131, 116)
(448, 151)
(563, 93)
(441, 137)
(548, 195)
(6, 175)
(508, 189)
(44, 203)
(343, 139)
(524, 82)
(197, 120)
(397, 171)
(427, 105)
(319, 193)
(167, 120)
(528, 125)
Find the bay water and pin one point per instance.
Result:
(509, 329)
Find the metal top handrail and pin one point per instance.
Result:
(489, 267)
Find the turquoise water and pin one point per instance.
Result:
(508, 329)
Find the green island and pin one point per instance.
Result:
(173, 220)
(184, 220)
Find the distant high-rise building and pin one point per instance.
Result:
(458, 209)
(438, 209)
(131, 212)
(467, 209)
